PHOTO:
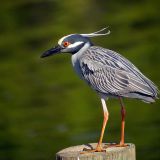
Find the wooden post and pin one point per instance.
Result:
(112, 153)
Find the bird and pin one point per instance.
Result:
(107, 72)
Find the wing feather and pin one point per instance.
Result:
(110, 73)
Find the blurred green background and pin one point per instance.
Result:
(44, 106)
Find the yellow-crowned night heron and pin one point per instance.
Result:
(107, 72)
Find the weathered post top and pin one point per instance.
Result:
(112, 153)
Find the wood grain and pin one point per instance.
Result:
(112, 153)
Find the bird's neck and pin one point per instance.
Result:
(76, 56)
(82, 49)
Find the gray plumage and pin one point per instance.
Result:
(111, 74)
(106, 71)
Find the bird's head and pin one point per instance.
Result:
(73, 43)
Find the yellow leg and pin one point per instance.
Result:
(123, 113)
(105, 119)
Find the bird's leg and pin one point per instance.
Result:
(123, 113)
(105, 119)
(99, 147)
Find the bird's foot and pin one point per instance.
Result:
(116, 145)
(97, 149)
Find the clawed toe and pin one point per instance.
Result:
(116, 145)
(85, 150)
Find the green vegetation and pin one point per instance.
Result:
(44, 107)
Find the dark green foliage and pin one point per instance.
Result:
(44, 107)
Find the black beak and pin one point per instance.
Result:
(56, 49)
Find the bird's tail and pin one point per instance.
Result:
(144, 97)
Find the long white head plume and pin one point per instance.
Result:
(98, 33)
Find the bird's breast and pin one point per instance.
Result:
(76, 65)
(76, 57)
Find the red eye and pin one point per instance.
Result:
(66, 44)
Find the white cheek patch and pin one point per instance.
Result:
(75, 44)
